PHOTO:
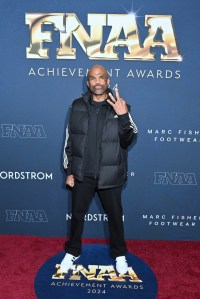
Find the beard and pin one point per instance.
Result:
(98, 89)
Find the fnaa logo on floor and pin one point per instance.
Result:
(94, 276)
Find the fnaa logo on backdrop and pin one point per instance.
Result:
(174, 178)
(94, 276)
(22, 131)
(160, 34)
(26, 216)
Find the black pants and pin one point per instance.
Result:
(82, 194)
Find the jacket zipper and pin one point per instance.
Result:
(88, 112)
(97, 150)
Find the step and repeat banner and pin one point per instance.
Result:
(150, 48)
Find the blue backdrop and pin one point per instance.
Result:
(150, 49)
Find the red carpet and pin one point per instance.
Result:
(176, 264)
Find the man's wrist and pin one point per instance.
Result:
(123, 118)
(68, 171)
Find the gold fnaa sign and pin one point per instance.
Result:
(69, 25)
(98, 273)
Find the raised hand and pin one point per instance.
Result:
(118, 104)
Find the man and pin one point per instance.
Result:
(95, 158)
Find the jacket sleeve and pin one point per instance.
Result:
(127, 129)
(67, 154)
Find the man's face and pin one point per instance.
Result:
(98, 81)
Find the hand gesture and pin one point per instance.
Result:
(118, 104)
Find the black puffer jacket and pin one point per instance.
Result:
(117, 134)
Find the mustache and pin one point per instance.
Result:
(98, 85)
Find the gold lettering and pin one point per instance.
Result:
(90, 44)
(168, 42)
(59, 274)
(132, 275)
(108, 271)
(127, 23)
(90, 275)
(105, 271)
(69, 25)
(37, 36)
